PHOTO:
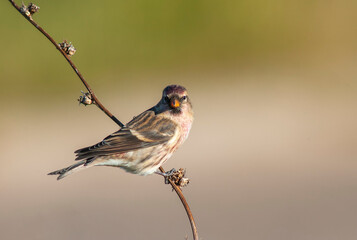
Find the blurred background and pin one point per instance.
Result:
(272, 152)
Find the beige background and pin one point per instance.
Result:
(272, 152)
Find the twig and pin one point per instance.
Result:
(185, 204)
(94, 98)
(28, 16)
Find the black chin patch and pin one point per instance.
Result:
(176, 110)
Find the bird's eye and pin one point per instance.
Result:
(167, 99)
(184, 98)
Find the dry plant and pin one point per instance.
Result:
(177, 180)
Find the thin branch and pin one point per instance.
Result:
(94, 98)
(106, 111)
(185, 204)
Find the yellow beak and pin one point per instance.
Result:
(175, 103)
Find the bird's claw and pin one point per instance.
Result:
(178, 177)
(169, 175)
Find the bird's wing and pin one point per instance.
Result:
(143, 131)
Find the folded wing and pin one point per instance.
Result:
(145, 130)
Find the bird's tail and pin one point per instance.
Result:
(71, 169)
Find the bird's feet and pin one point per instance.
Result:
(178, 177)
(167, 175)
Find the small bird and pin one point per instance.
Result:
(146, 142)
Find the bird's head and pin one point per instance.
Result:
(175, 99)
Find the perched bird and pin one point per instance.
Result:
(146, 142)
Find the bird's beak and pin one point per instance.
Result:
(174, 103)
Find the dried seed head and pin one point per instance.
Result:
(24, 10)
(179, 178)
(63, 45)
(68, 48)
(184, 182)
(32, 8)
(29, 10)
(85, 99)
(71, 50)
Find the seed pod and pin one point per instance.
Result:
(85, 99)
(32, 8)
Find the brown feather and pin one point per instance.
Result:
(145, 130)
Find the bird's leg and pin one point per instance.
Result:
(167, 175)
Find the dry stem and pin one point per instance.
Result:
(95, 99)
(27, 13)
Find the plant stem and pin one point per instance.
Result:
(94, 98)
(185, 204)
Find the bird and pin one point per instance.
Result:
(146, 142)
